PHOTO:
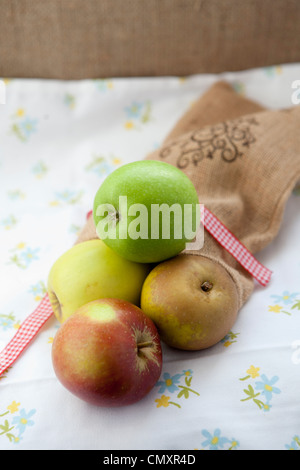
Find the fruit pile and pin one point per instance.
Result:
(119, 296)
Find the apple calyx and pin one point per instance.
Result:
(146, 349)
(56, 306)
(206, 286)
(145, 344)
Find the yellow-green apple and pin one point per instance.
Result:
(147, 211)
(108, 353)
(89, 271)
(192, 300)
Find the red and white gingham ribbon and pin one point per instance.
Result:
(221, 233)
(25, 333)
(43, 312)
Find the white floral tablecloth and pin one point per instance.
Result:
(58, 141)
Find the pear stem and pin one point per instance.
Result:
(206, 286)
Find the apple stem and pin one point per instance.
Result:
(145, 344)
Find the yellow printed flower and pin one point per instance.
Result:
(117, 161)
(129, 125)
(54, 203)
(20, 112)
(17, 326)
(162, 401)
(50, 340)
(21, 245)
(13, 407)
(227, 344)
(253, 371)
(275, 308)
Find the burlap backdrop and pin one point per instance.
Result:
(73, 39)
(244, 162)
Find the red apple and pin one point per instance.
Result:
(108, 353)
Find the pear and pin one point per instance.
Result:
(192, 300)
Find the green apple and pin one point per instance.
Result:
(192, 300)
(89, 271)
(147, 211)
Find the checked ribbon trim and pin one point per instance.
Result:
(33, 323)
(221, 233)
(28, 329)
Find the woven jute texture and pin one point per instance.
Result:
(244, 170)
(74, 39)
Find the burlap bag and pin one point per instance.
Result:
(244, 162)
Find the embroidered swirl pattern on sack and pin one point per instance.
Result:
(225, 141)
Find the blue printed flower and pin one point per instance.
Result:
(28, 126)
(15, 194)
(70, 197)
(8, 222)
(17, 440)
(103, 169)
(266, 407)
(267, 386)
(234, 444)
(29, 255)
(6, 323)
(23, 420)
(286, 297)
(214, 441)
(104, 84)
(272, 70)
(169, 383)
(39, 169)
(135, 110)
(295, 444)
(38, 288)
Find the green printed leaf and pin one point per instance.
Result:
(10, 436)
(184, 392)
(188, 380)
(5, 428)
(173, 403)
(146, 117)
(245, 378)
(296, 305)
(259, 403)
(9, 317)
(251, 393)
